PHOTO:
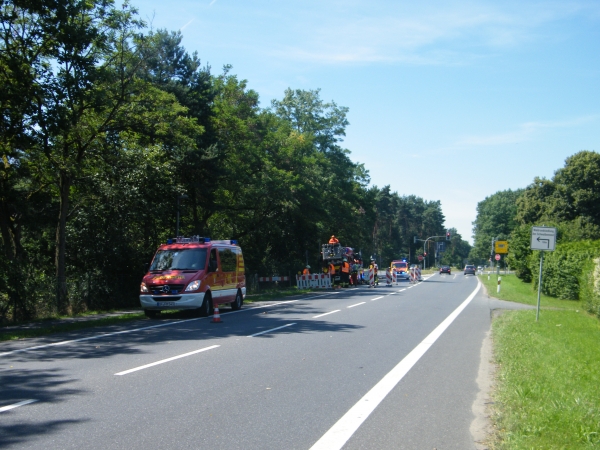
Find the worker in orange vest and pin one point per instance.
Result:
(331, 272)
(345, 275)
(334, 240)
(306, 271)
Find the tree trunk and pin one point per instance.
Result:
(61, 245)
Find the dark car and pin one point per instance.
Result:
(445, 269)
(469, 268)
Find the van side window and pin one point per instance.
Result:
(212, 262)
(228, 260)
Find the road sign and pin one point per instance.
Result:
(441, 247)
(497, 257)
(501, 247)
(420, 257)
(543, 238)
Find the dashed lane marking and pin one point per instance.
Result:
(272, 329)
(16, 405)
(326, 314)
(352, 306)
(162, 361)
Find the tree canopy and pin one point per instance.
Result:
(108, 127)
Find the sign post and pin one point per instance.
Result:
(544, 240)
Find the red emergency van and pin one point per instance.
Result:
(401, 269)
(194, 273)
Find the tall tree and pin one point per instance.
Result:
(496, 218)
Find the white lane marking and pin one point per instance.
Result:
(353, 289)
(402, 289)
(103, 335)
(272, 329)
(454, 276)
(352, 306)
(162, 361)
(377, 298)
(326, 314)
(16, 405)
(337, 436)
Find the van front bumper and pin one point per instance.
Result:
(172, 302)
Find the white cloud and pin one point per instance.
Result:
(440, 35)
(525, 132)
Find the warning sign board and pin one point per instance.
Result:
(501, 247)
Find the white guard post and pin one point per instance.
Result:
(388, 278)
(419, 274)
(395, 278)
(372, 278)
(318, 281)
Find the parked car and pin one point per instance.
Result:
(445, 269)
(469, 268)
(194, 273)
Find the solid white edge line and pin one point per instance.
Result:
(162, 361)
(377, 298)
(326, 314)
(272, 329)
(352, 306)
(103, 335)
(16, 405)
(337, 436)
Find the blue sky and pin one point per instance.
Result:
(449, 100)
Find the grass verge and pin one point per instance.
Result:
(10, 335)
(547, 393)
(53, 325)
(514, 290)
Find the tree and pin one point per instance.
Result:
(496, 218)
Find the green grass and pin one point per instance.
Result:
(548, 380)
(514, 290)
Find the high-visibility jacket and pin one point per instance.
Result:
(345, 267)
(331, 269)
(334, 240)
(306, 272)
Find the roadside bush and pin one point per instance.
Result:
(590, 286)
(563, 268)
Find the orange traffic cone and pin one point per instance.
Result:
(216, 316)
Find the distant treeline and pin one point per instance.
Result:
(570, 201)
(107, 127)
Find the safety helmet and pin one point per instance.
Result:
(307, 266)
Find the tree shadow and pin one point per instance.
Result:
(23, 431)
(47, 386)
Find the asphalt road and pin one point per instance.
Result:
(385, 368)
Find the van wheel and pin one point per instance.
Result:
(151, 313)
(207, 306)
(238, 302)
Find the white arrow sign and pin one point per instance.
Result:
(543, 238)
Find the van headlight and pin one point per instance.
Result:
(143, 287)
(193, 286)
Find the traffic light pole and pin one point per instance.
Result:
(425, 244)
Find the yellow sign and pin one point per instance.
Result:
(501, 247)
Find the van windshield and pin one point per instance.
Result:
(400, 265)
(180, 259)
